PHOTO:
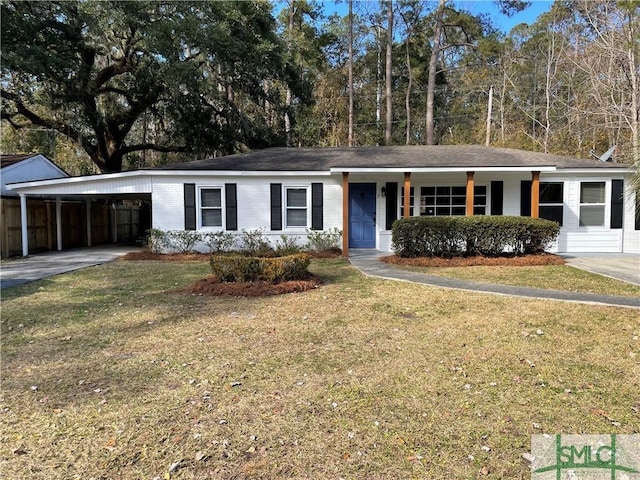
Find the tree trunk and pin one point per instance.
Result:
(433, 64)
(287, 119)
(388, 74)
(487, 140)
(635, 90)
(350, 139)
(407, 97)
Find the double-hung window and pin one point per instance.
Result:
(211, 207)
(551, 205)
(592, 204)
(296, 207)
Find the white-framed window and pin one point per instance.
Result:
(551, 206)
(210, 207)
(442, 201)
(296, 207)
(592, 204)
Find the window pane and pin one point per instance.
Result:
(458, 190)
(458, 211)
(552, 212)
(479, 210)
(428, 201)
(428, 191)
(443, 190)
(297, 217)
(443, 211)
(592, 215)
(212, 218)
(480, 190)
(458, 201)
(211, 197)
(551, 192)
(296, 197)
(429, 211)
(443, 200)
(592, 192)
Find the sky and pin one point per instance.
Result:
(501, 21)
(476, 7)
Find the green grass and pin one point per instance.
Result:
(361, 378)
(552, 277)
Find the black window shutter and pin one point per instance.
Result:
(525, 198)
(276, 206)
(497, 197)
(617, 206)
(391, 203)
(316, 206)
(231, 205)
(637, 226)
(189, 206)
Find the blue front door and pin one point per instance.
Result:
(362, 215)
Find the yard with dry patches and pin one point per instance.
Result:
(111, 372)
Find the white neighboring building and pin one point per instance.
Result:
(362, 190)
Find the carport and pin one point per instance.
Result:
(114, 190)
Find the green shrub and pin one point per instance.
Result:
(219, 241)
(183, 241)
(473, 235)
(242, 268)
(254, 243)
(323, 240)
(157, 240)
(287, 245)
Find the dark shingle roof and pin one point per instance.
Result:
(10, 159)
(434, 156)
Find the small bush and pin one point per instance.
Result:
(287, 245)
(242, 268)
(323, 240)
(219, 242)
(254, 243)
(157, 240)
(183, 241)
(474, 235)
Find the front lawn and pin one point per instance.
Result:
(551, 277)
(107, 372)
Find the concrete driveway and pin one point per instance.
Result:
(17, 271)
(622, 266)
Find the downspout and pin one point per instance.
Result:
(23, 225)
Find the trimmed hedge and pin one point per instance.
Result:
(242, 268)
(473, 235)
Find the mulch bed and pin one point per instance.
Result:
(187, 257)
(166, 257)
(507, 261)
(210, 286)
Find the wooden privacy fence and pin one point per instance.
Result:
(108, 225)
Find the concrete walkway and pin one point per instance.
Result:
(621, 266)
(368, 262)
(20, 270)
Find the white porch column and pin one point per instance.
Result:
(23, 225)
(89, 223)
(59, 222)
(114, 223)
